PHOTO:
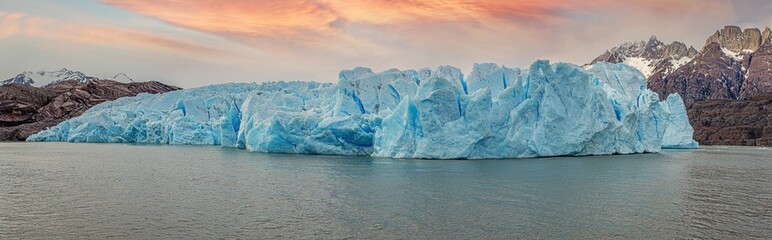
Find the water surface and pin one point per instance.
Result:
(100, 191)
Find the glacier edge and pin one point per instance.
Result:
(494, 112)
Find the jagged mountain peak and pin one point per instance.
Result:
(734, 63)
(47, 78)
(21, 78)
(740, 41)
(651, 49)
(651, 56)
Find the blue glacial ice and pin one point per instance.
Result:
(679, 132)
(493, 112)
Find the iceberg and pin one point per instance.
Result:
(493, 112)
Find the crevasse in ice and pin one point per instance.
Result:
(493, 112)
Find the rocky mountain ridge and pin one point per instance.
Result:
(25, 109)
(650, 57)
(45, 78)
(733, 64)
(738, 40)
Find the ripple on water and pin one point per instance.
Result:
(99, 191)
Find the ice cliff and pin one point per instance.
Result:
(494, 112)
(679, 133)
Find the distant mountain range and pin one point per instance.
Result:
(45, 78)
(733, 64)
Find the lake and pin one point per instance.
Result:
(76, 191)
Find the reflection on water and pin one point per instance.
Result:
(111, 190)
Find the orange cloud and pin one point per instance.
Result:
(306, 21)
(313, 24)
(19, 24)
(412, 11)
(9, 24)
(256, 19)
(337, 34)
(128, 38)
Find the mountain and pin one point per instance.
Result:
(45, 78)
(650, 57)
(739, 41)
(26, 109)
(733, 64)
(712, 74)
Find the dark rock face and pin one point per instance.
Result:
(719, 73)
(710, 75)
(25, 110)
(733, 122)
(759, 78)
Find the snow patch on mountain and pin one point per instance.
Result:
(734, 55)
(677, 63)
(642, 64)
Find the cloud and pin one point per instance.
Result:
(135, 39)
(309, 22)
(300, 21)
(9, 23)
(414, 11)
(317, 38)
(21, 24)
(314, 39)
(313, 24)
(335, 34)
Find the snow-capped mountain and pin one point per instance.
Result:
(650, 57)
(44, 78)
(733, 64)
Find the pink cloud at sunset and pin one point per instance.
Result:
(14, 24)
(312, 30)
(9, 23)
(263, 40)
(303, 20)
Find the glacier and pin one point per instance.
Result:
(493, 112)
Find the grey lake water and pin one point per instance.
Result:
(77, 191)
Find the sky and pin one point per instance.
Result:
(192, 43)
